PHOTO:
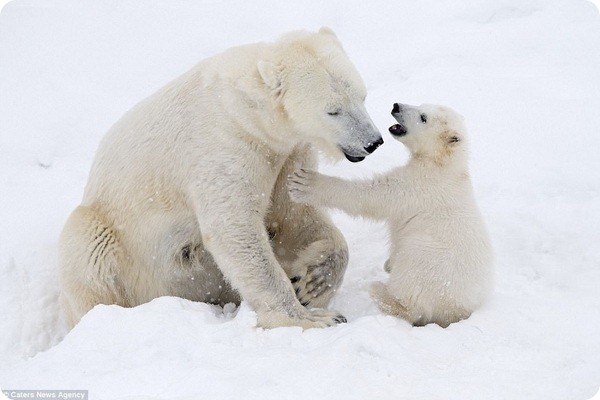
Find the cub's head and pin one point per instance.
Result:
(430, 131)
(321, 94)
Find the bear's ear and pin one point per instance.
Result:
(325, 30)
(269, 73)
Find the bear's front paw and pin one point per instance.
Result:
(308, 319)
(301, 185)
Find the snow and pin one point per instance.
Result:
(523, 72)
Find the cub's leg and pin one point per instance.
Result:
(90, 258)
(391, 305)
(366, 198)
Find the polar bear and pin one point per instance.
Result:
(187, 195)
(440, 261)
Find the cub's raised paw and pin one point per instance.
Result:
(301, 185)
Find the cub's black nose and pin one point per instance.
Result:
(373, 146)
(396, 108)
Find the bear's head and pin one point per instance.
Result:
(432, 132)
(321, 94)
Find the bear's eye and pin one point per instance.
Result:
(333, 113)
(424, 118)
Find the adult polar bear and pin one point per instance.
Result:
(187, 194)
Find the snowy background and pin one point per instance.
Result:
(526, 75)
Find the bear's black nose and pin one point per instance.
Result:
(373, 146)
(396, 108)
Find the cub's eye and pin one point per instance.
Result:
(424, 118)
(333, 113)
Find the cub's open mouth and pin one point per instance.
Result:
(398, 130)
(353, 158)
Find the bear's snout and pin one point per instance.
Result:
(396, 108)
(373, 146)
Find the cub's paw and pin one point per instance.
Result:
(301, 185)
(387, 267)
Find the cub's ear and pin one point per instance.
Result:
(453, 139)
(325, 30)
(269, 73)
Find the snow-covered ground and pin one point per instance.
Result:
(526, 75)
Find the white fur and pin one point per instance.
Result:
(440, 261)
(187, 195)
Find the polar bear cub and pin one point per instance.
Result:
(440, 261)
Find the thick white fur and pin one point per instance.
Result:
(187, 195)
(440, 261)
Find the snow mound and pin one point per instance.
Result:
(525, 75)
